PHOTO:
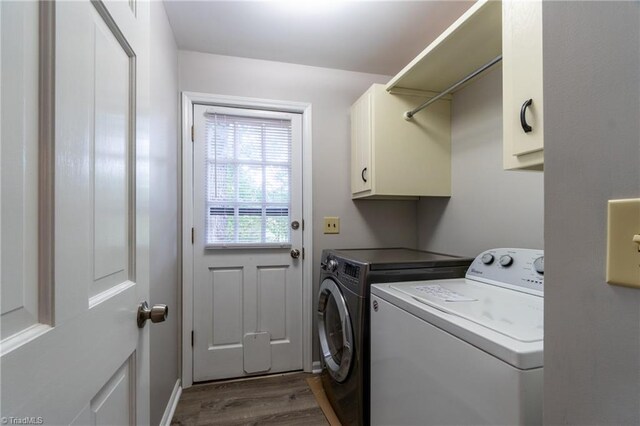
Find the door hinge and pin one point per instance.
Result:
(193, 235)
(191, 338)
(192, 133)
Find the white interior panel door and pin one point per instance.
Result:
(86, 361)
(19, 168)
(247, 242)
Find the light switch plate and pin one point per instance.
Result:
(331, 225)
(623, 254)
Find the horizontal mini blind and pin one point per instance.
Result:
(248, 181)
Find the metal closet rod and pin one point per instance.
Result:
(409, 114)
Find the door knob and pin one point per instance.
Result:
(295, 253)
(157, 313)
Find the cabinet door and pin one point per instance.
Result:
(522, 83)
(361, 172)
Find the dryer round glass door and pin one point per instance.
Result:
(335, 332)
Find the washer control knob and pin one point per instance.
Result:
(538, 265)
(487, 258)
(332, 265)
(506, 260)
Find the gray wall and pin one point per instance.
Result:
(592, 151)
(163, 212)
(331, 92)
(489, 207)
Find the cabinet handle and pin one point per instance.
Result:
(523, 117)
(362, 174)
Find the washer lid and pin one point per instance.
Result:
(513, 314)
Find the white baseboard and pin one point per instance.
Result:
(171, 405)
(316, 367)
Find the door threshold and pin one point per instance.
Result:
(244, 379)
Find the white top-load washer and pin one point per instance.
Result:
(461, 351)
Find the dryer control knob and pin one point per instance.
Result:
(332, 265)
(487, 258)
(538, 265)
(506, 260)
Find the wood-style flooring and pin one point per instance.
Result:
(273, 400)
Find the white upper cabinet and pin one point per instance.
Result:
(522, 85)
(361, 144)
(394, 158)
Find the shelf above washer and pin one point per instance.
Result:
(469, 43)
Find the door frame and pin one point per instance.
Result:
(186, 187)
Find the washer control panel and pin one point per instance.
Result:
(514, 268)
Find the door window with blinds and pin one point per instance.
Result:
(247, 180)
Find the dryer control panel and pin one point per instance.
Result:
(348, 273)
(514, 268)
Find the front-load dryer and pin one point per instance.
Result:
(461, 351)
(343, 315)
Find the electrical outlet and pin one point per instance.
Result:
(623, 242)
(331, 225)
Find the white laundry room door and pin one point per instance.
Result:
(247, 242)
(74, 212)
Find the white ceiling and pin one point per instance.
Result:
(378, 37)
